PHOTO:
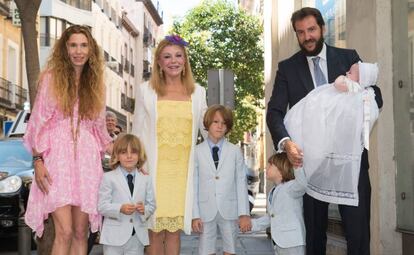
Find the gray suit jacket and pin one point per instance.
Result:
(285, 213)
(113, 192)
(223, 189)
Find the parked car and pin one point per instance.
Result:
(16, 174)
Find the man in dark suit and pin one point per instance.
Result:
(315, 64)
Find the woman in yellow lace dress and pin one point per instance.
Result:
(169, 112)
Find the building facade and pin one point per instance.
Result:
(125, 30)
(13, 81)
(141, 22)
(381, 31)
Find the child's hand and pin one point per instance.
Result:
(245, 223)
(128, 209)
(340, 84)
(197, 225)
(140, 207)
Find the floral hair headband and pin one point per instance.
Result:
(176, 39)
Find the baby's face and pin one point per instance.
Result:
(353, 73)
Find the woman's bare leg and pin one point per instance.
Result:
(62, 218)
(80, 232)
(157, 240)
(172, 243)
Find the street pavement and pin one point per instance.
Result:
(247, 244)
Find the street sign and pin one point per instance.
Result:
(7, 126)
(220, 87)
(15, 14)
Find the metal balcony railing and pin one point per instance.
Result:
(12, 96)
(132, 73)
(5, 92)
(127, 66)
(127, 103)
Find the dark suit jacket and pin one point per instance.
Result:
(294, 81)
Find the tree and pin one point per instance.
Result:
(222, 36)
(28, 15)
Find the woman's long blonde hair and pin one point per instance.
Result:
(91, 89)
(157, 79)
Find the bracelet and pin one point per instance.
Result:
(36, 158)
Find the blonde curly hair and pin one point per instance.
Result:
(91, 89)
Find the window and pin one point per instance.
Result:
(44, 32)
(334, 14)
(51, 29)
(59, 28)
(80, 4)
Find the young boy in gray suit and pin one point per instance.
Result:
(220, 188)
(284, 209)
(126, 200)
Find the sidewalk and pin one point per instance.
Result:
(248, 244)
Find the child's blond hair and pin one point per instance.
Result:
(121, 144)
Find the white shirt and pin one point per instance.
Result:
(322, 64)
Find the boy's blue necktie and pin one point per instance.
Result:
(215, 155)
(130, 183)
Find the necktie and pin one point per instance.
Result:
(319, 76)
(131, 189)
(215, 156)
(130, 183)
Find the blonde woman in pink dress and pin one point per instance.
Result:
(67, 135)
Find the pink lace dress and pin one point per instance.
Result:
(76, 171)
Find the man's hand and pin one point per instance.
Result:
(42, 176)
(128, 209)
(197, 225)
(294, 153)
(245, 223)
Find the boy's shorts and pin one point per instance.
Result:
(132, 247)
(228, 229)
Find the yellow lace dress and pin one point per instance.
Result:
(174, 132)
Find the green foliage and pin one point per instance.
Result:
(222, 36)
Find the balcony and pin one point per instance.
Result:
(147, 38)
(12, 96)
(127, 66)
(127, 103)
(120, 69)
(146, 75)
(132, 73)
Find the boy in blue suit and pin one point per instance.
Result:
(220, 188)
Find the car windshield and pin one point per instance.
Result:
(13, 154)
